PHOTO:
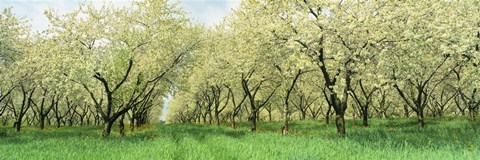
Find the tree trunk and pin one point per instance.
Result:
(132, 123)
(253, 118)
(81, 120)
(254, 125)
(107, 128)
(121, 126)
(473, 116)
(287, 97)
(285, 118)
(421, 120)
(258, 116)
(58, 122)
(327, 117)
(210, 118)
(269, 115)
(42, 121)
(18, 124)
(204, 116)
(365, 117)
(88, 120)
(233, 122)
(217, 118)
(285, 126)
(441, 113)
(340, 123)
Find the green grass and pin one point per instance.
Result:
(384, 139)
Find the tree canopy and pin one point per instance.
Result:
(267, 60)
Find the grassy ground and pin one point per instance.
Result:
(385, 139)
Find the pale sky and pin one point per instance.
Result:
(206, 11)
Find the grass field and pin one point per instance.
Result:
(384, 139)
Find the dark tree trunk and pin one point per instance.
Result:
(107, 128)
(217, 99)
(258, 116)
(49, 120)
(287, 100)
(364, 104)
(24, 107)
(210, 117)
(304, 115)
(70, 122)
(473, 116)
(121, 126)
(42, 121)
(237, 107)
(81, 120)
(270, 116)
(18, 124)
(132, 122)
(365, 117)
(87, 119)
(255, 106)
(204, 116)
(421, 120)
(253, 118)
(233, 122)
(340, 123)
(329, 113)
(44, 111)
(217, 119)
(58, 122)
(341, 105)
(418, 101)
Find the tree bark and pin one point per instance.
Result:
(421, 120)
(365, 117)
(107, 128)
(253, 118)
(255, 108)
(233, 122)
(237, 107)
(121, 125)
(473, 116)
(25, 106)
(340, 123)
(327, 117)
(42, 122)
(18, 124)
(132, 122)
(287, 100)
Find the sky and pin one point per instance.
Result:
(205, 11)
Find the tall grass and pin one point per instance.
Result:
(384, 139)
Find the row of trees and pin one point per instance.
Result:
(318, 58)
(277, 60)
(94, 65)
